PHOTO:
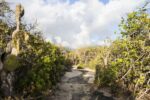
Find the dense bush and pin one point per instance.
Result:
(41, 64)
(128, 65)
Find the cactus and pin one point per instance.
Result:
(16, 34)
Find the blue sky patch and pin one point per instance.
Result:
(61, 1)
(104, 1)
(72, 1)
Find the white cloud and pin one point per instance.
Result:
(82, 23)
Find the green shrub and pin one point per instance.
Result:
(127, 66)
(42, 66)
(11, 63)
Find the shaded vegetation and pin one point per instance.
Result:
(39, 65)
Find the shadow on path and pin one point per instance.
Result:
(78, 85)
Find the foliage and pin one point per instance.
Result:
(11, 63)
(4, 36)
(43, 63)
(40, 64)
(137, 24)
(4, 8)
(128, 64)
(87, 57)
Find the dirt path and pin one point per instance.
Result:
(77, 85)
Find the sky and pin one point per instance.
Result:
(78, 23)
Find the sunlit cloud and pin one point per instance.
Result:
(78, 23)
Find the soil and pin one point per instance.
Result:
(78, 85)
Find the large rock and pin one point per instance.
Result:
(7, 83)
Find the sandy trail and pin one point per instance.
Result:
(77, 85)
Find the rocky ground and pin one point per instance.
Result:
(78, 85)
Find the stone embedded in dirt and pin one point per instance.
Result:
(74, 73)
